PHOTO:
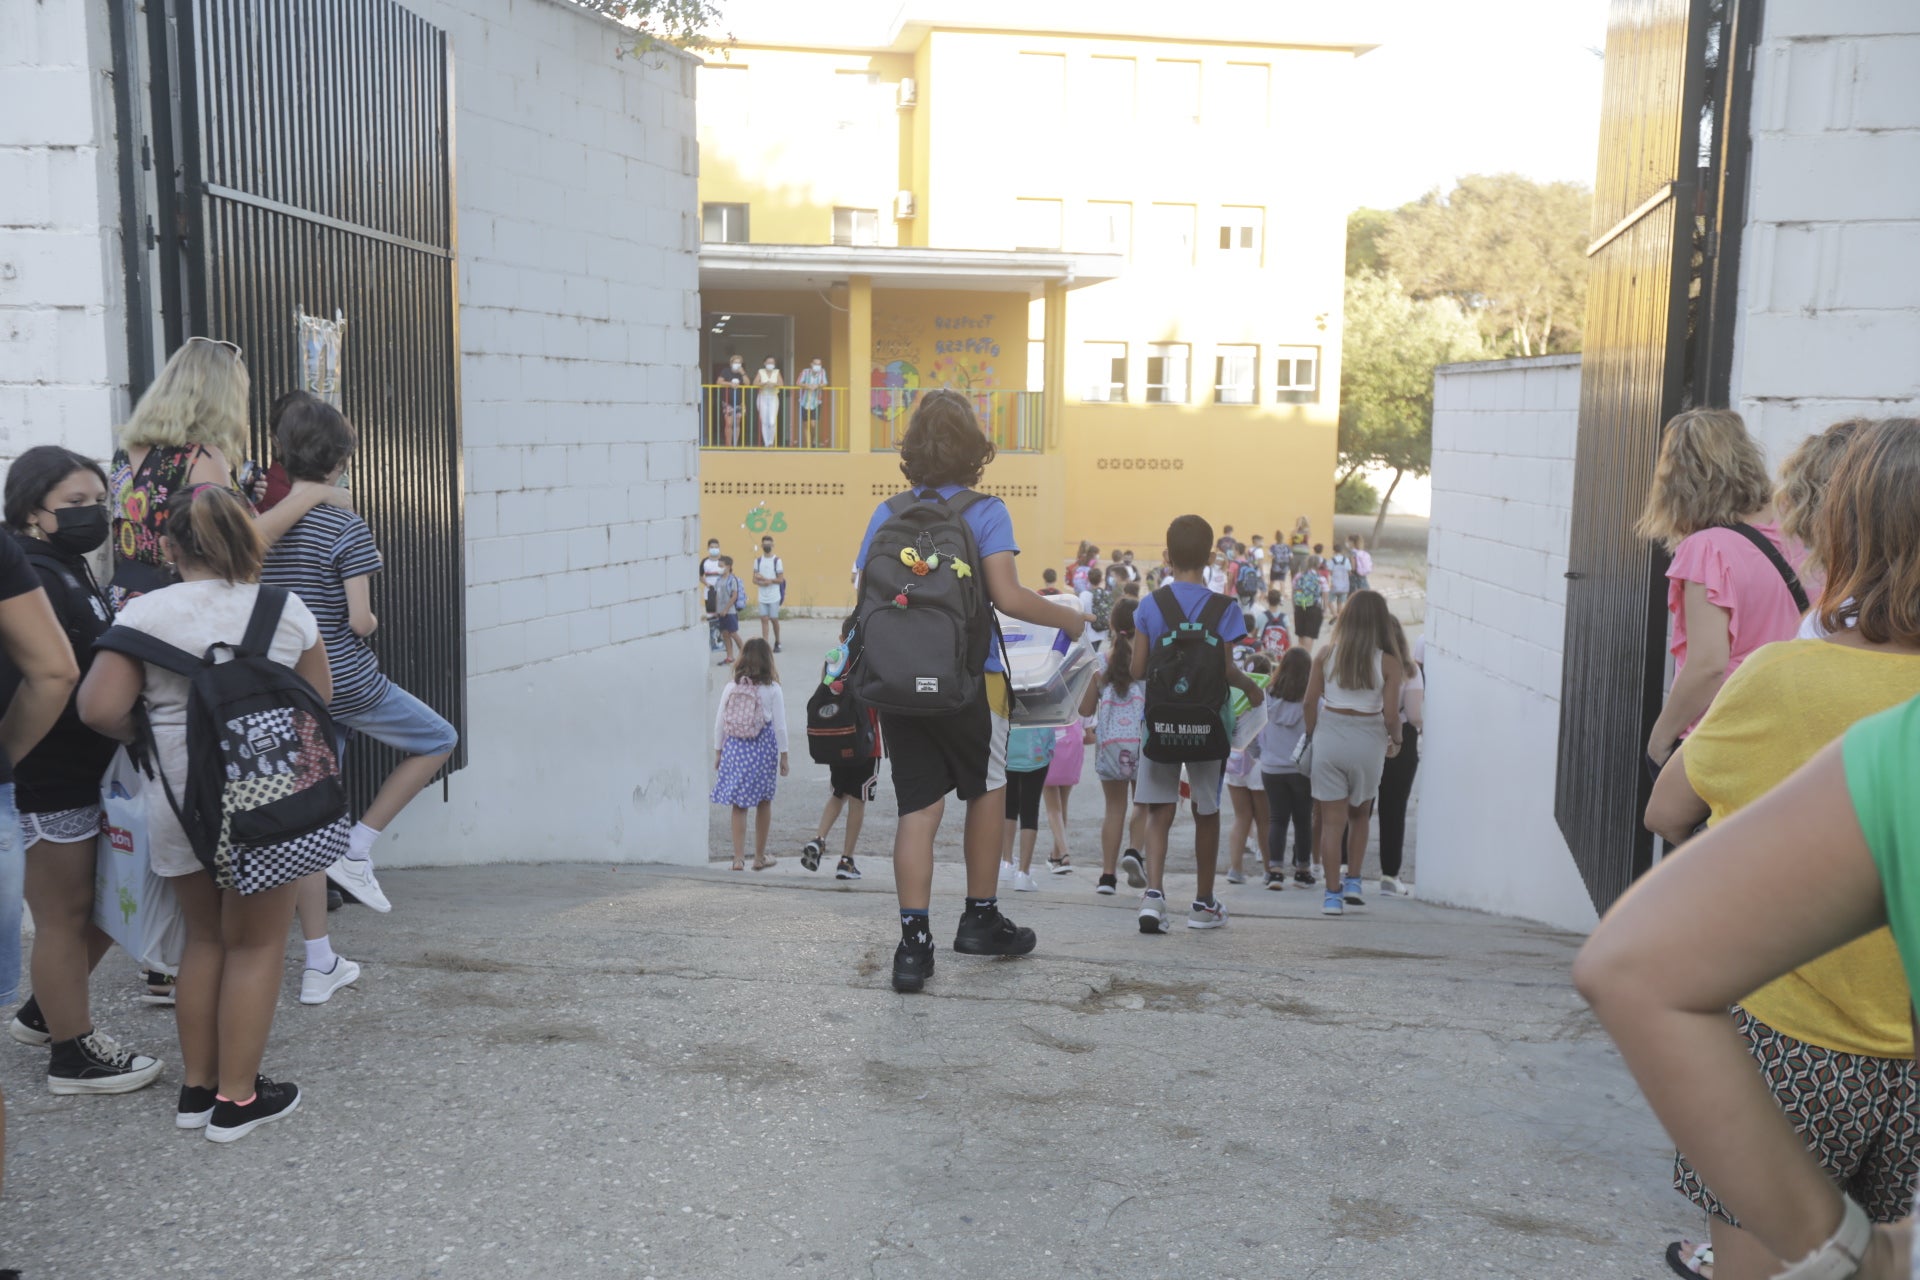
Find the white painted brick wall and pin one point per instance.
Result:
(62, 333)
(1829, 323)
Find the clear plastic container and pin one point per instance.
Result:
(1049, 673)
(1248, 721)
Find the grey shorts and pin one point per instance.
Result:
(1158, 783)
(769, 609)
(1348, 754)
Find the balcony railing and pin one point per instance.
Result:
(1013, 420)
(803, 418)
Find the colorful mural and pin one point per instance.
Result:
(974, 343)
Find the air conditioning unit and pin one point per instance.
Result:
(909, 93)
(903, 205)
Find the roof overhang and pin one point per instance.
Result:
(819, 266)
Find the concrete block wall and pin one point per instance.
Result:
(1829, 321)
(1503, 442)
(62, 343)
(575, 170)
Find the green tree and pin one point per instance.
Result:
(1392, 344)
(684, 24)
(1365, 229)
(1510, 251)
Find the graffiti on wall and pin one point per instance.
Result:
(961, 353)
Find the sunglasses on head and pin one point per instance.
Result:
(234, 347)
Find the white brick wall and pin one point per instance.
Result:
(1829, 322)
(1503, 437)
(62, 344)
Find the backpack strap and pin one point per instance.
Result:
(1213, 611)
(1780, 566)
(142, 647)
(268, 606)
(1171, 612)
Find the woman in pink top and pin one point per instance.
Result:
(1710, 505)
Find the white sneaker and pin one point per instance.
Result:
(355, 875)
(1006, 872)
(1023, 882)
(1153, 914)
(1390, 887)
(318, 988)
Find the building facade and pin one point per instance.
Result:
(1127, 248)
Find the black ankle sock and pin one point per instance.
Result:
(914, 928)
(977, 906)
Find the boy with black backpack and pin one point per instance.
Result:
(1184, 655)
(935, 562)
(844, 736)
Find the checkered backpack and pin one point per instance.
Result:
(264, 803)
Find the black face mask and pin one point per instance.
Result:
(80, 529)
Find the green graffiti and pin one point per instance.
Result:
(779, 524)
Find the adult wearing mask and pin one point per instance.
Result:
(712, 569)
(767, 401)
(733, 400)
(812, 380)
(56, 514)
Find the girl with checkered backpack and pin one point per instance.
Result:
(236, 890)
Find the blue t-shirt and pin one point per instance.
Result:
(1193, 597)
(992, 531)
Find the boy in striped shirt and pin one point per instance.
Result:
(327, 562)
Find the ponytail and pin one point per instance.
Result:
(1120, 645)
(211, 527)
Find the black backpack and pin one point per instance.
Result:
(839, 729)
(1187, 684)
(923, 622)
(264, 803)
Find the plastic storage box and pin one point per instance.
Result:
(1049, 673)
(1247, 721)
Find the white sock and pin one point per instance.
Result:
(360, 842)
(320, 954)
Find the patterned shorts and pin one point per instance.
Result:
(1856, 1113)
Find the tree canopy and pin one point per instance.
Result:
(684, 24)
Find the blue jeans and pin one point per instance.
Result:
(13, 874)
(404, 723)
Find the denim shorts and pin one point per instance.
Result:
(13, 874)
(404, 723)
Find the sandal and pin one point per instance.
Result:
(1695, 1261)
(761, 863)
(738, 866)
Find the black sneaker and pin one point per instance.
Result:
(1135, 867)
(988, 933)
(1107, 885)
(95, 1063)
(912, 966)
(335, 899)
(810, 854)
(28, 1026)
(232, 1122)
(1276, 879)
(846, 870)
(159, 988)
(1303, 877)
(195, 1107)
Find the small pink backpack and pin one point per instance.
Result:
(741, 715)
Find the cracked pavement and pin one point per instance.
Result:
(593, 1071)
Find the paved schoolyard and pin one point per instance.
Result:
(587, 1071)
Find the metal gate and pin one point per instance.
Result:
(304, 160)
(1660, 305)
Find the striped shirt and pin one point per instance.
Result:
(313, 560)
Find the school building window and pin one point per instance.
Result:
(1234, 373)
(1109, 90)
(1109, 227)
(1105, 378)
(1243, 94)
(1242, 228)
(1175, 92)
(1167, 364)
(1296, 375)
(856, 226)
(854, 98)
(1173, 234)
(1036, 224)
(723, 223)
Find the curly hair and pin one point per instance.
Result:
(944, 444)
(200, 397)
(1804, 478)
(1870, 535)
(1710, 473)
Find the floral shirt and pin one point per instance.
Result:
(138, 499)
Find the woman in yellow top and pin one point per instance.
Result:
(1833, 1038)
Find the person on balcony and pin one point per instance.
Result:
(811, 380)
(733, 400)
(767, 401)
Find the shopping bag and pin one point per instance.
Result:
(132, 905)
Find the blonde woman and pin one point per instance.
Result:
(1804, 478)
(190, 428)
(1733, 583)
(1353, 718)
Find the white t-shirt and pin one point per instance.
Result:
(773, 708)
(711, 571)
(1811, 628)
(769, 567)
(1216, 579)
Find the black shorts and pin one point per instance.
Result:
(1306, 622)
(965, 753)
(1024, 789)
(857, 781)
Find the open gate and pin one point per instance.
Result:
(1668, 206)
(303, 158)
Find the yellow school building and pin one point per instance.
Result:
(1127, 249)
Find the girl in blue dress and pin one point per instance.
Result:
(750, 749)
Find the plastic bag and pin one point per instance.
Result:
(1049, 673)
(132, 905)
